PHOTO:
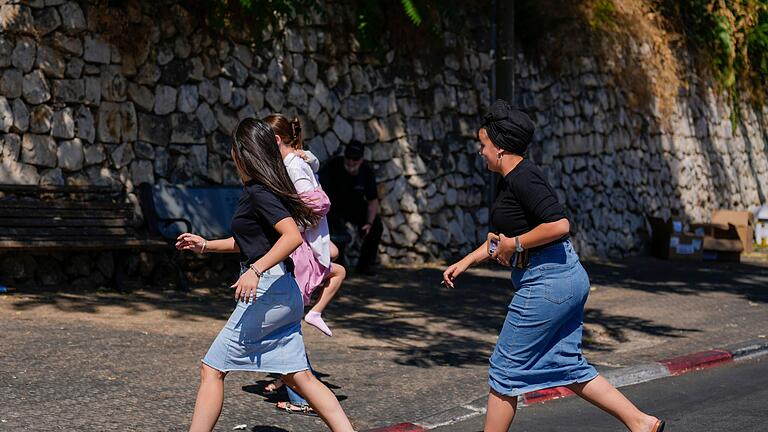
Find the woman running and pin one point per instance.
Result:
(540, 343)
(263, 333)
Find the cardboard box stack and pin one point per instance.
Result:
(721, 241)
(724, 239)
(671, 240)
(742, 220)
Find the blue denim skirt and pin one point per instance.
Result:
(540, 343)
(263, 335)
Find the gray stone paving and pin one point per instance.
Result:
(403, 347)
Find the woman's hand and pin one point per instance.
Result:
(245, 287)
(504, 250)
(189, 241)
(453, 272)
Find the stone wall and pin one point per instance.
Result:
(614, 164)
(76, 109)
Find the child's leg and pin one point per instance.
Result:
(335, 278)
(314, 316)
(334, 252)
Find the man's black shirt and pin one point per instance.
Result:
(349, 194)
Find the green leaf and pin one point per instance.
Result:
(411, 11)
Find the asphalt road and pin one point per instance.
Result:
(730, 397)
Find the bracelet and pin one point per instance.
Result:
(255, 270)
(205, 243)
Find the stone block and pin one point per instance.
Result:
(186, 129)
(35, 89)
(70, 155)
(153, 129)
(69, 91)
(39, 150)
(96, 50)
(117, 122)
(63, 124)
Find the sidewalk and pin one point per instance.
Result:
(403, 347)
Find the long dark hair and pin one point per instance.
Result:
(288, 130)
(254, 148)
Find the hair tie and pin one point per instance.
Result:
(295, 128)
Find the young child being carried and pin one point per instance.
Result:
(313, 264)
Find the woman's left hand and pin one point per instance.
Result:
(504, 251)
(245, 287)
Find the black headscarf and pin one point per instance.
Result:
(508, 128)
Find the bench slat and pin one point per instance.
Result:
(78, 214)
(93, 243)
(63, 222)
(14, 203)
(82, 232)
(58, 189)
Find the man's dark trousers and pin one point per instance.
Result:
(370, 247)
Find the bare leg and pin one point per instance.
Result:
(500, 413)
(210, 398)
(315, 315)
(334, 252)
(322, 400)
(338, 273)
(602, 394)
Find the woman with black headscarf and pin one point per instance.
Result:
(540, 343)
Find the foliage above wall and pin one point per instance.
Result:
(730, 36)
(405, 25)
(639, 42)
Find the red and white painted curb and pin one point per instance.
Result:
(618, 377)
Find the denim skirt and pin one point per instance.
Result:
(540, 343)
(263, 335)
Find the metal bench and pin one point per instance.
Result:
(70, 218)
(170, 210)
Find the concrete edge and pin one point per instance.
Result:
(621, 377)
(749, 349)
(637, 374)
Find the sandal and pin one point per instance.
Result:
(273, 387)
(659, 426)
(296, 409)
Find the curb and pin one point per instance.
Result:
(621, 377)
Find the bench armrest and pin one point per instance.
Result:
(169, 221)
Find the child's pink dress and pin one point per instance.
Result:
(312, 259)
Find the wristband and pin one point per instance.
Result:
(202, 249)
(518, 246)
(255, 270)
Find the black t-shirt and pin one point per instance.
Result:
(253, 225)
(524, 201)
(349, 194)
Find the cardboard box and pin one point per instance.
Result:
(744, 223)
(671, 240)
(721, 241)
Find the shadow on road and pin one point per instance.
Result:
(428, 325)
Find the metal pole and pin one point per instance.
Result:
(503, 52)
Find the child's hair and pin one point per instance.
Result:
(288, 130)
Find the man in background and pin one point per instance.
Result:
(350, 184)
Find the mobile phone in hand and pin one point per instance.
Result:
(493, 244)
